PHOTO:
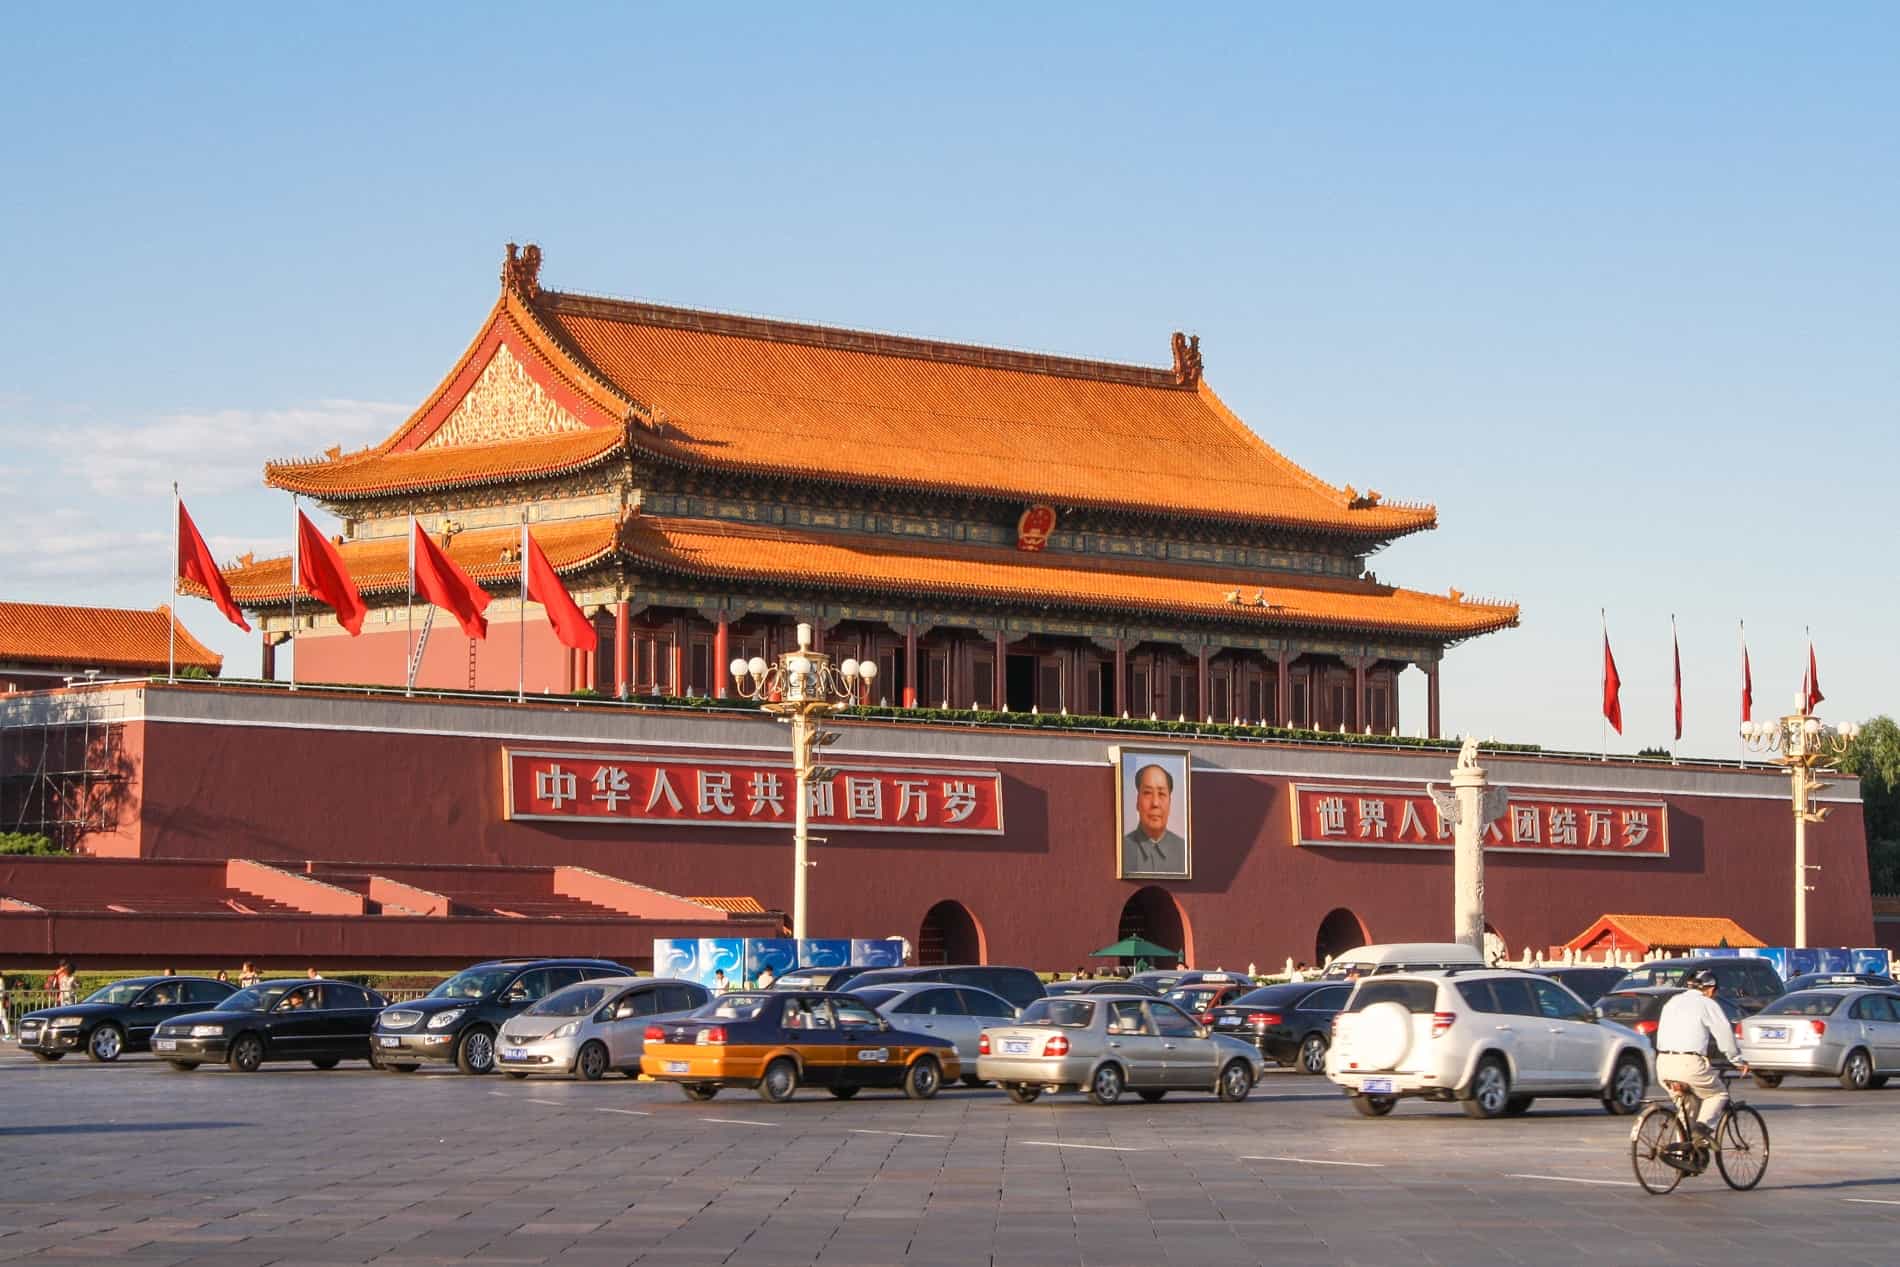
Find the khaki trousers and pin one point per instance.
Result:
(1695, 1073)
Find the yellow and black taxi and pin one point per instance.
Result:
(117, 1018)
(779, 1040)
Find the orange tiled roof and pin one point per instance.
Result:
(732, 905)
(1677, 931)
(97, 637)
(706, 549)
(371, 471)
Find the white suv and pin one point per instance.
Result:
(1492, 1040)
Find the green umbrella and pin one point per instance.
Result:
(1135, 948)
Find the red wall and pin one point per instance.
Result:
(1045, 894)
(381, 656)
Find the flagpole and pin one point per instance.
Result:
(1807, 670)
(171, 650)
(1741, 632)
(296, 567)
(1603, 682)
(521, 626)
(409, 616)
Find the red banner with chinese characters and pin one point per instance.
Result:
(1533, 822)
(593, 786)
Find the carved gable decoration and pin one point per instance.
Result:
(504, 404)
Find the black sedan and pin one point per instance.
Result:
(1641, 1008)
(117, 1018)
(323, 1022)
(1291, 1023)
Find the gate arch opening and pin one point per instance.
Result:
(950, 934)
(1153, 915)
(1339, 932)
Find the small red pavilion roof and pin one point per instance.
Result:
(105, 638)
(1663, 932)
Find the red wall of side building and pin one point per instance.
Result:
(1044, 894)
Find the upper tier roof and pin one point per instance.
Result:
(97, 637)
(721, 392)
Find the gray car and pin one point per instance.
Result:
(1851, 1033)
(1103, 1044)
(590, 1028)
(959, 1013)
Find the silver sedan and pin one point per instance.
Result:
(1850, 1033)
(959, 1013)
(590, 1028)
(1105, 1044)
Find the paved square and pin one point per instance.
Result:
(137, 1163)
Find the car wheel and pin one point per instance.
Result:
(247, 1053)
(476, 1052)
(1313, 1054)
(50, 1056)
(923, 1079)
(780, 1082)
(1628, 1083)
(183, 1066)
(1767, 1081)
(1022, 1092)
(1106, 1086)
(1858, 1072)
(1374, 1105)
(327, 1062)
(842, 1093)
(1490, 1091)
(106, 1043)
(1236, 1082)
(1152, 1097)
(1519, 1105)
(591, 1063)
(699, 1092)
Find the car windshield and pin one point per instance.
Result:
(578, 1001)
(1194, 998)
(1806, 1003)
(474, 983)
(1655, 974)
(1621, 1007)
(1068, 1013)
(877, 995)
(734, 1007)
(259, 998)
(119, 993)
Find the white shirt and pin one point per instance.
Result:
(1689, 1021)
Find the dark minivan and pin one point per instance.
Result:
(1019, 985)
(456, 1022)
(1752, 983)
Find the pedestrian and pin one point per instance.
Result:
(1080, 974)
(720, 984)
(766, 978)
(6, 1026)
(66, 984)
(247, 975)
(222, 977)
(170, 972)
(311, 974)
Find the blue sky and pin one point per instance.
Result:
(1614, 286)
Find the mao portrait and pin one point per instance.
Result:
(1151, 814)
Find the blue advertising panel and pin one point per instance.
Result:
(721, 954)
(824, 952)
(1873, 959)
(676, 957)
(1802, 960)
(1776, 955)
(1836, 959)
(780, 954)
(884, 952)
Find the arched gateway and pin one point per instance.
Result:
(950, 934)
(1341, 930)
(1154, 915)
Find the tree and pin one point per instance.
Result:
(1875, 757)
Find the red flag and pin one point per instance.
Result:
(1748, 687)
(1612, 689)
(544, 587)
(1677, 648)
(195, 564)
(320, 569)
(448, 586)
(1811, 689)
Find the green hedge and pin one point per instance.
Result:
(30, 843)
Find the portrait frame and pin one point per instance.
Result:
(1177, 763)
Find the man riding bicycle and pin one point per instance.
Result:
(1683, 1031)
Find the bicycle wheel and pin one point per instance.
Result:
(1742, 1154)
(1657, 1129)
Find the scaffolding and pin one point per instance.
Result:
(63, 767)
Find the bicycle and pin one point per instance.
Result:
(1664, 1148)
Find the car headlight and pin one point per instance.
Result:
(207, 1031)
(442, 1020)
(566, 1031)
(66, 1022)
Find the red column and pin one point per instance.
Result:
(910, 666)
(1283, 689)
(268, 666)
(1431, 700)
(1121, 676)
(1204, 683)
(623, 658)
(1001, 669)
(722, 652)
(676, 671)
(1359, 692)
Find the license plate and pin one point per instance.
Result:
(388, 1040)
(1227, 1021)
(513, 1053)
(1376, 1086)
(676, 1066)
(1015, 1046)
(1773, 1033)
(165, 1044)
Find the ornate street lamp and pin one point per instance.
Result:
(1803, 743)
(803, 686)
